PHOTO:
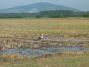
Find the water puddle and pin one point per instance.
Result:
(43, 46)
(39, 52)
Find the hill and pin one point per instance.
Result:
(37, 7)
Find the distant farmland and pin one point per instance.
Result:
(48, 26)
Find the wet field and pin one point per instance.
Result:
(65, 42)
(39, 52)
(40, 47)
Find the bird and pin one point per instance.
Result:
(41, 37)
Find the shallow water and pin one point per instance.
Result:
(39, 52)
(45, 49)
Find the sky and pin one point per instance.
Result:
(78, 4)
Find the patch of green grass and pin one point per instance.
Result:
(54, 61)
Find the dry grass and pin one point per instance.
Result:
(13, 32)
(12, 58)
(32, 28)
(53, 27)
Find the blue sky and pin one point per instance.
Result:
(78, 4)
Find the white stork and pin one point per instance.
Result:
(41, 37)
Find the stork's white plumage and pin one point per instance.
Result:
(41, 37)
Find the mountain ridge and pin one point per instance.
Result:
(36, 7)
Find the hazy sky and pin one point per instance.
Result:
(78, 4)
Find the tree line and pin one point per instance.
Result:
(47, 14)
(63, 14)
